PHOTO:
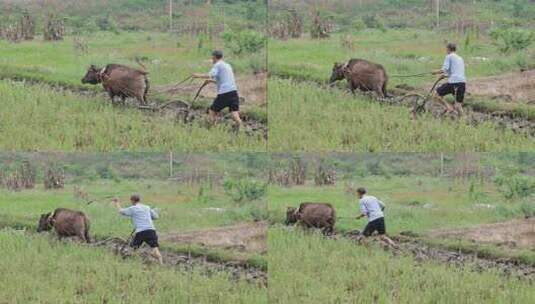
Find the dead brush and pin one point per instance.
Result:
(325, 175)
(54, 178)
(279, 177)
(54, 28)
(22, 178)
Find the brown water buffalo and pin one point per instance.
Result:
(361, 74)
(313, 215)
(119, 80)
(66, 223)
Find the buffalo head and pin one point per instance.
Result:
(338, 72)
(45, 223)
(92, 76)
(292, 215)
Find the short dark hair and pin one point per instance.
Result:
(217, 54)
(135, 198)
(361, 191)
(452, 47)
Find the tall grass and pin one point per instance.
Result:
(34, 117)
(306, 268)
(45, 271)
(304, 117)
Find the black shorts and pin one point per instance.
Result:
(375, 225)
(456, 89)
(230, 100)
(145, 236)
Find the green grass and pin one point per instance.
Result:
(42, 268)
(168, 58)
(307, 268)
(413, 203)
(75, 123)
(401, 52)
(94, 275)
(181, 208)
(38, 118)
(304, 117)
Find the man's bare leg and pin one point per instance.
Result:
(459, 108)
(449, 108)
(236, 117)
(213, 116)
(156, 254)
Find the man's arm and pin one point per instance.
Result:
(117, 205)
(154, 214)
(210, 76)
(361, 216)
(445, 67)
(363, 211)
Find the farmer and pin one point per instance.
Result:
(372, 208)
(453, 68)
(227, 91)
(142, 217)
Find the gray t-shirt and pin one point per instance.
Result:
(372, 207)
(224, 76)
(454, 67)
(141, 216)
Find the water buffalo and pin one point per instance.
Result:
(313, 215)
(66, 223)
(361, 74)
(119, 80)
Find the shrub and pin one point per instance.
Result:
(358, 25)
(372, 22)
(528, 209)
(244, 189)
(244, 42)
(512, 39)
(513, 185)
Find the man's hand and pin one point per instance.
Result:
(115, 202)
(361, 216)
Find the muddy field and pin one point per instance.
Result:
(243, 237)
(514, 234)
(510, 87)
(246, 237)
(252, 89)
(511, 234)
(185, 262)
